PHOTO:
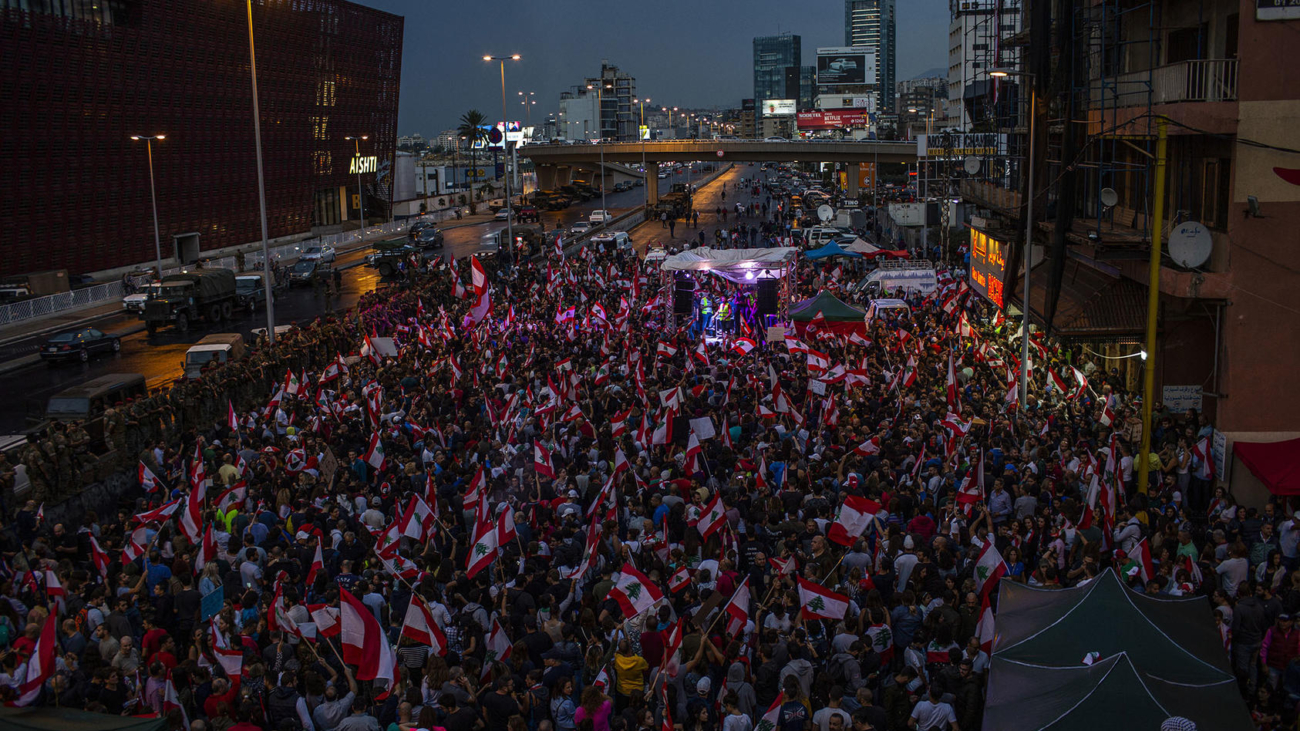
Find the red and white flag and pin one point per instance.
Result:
(737, 609)
(207, 550)
(148, 480)
(856, 515)
(742, 346)
(478, 275)
(55, 591)
(99, 558)
(818, 362)
(421, 627)
(542, 460)
(680, 579)
(712, 517)
(375, 453)
(317, 564)
(40, 666)
(232, 421)
(984, 628)
(483, 548)
(818, 602)
(634, 592)
(326, 619)
(989, 569)
(364, 643)
(498, 649)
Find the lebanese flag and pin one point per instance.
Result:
(135, 545)
(542, 460)
(192, 518)
(954, 403)
(589, 554)
(984, 628)
(234, 496)
(1141, 561)
(869, 447)
(207, 551)
(664, 350)
(989, 569)
(364, 643)
(159, 514)
(772, 717)
(818, 602)
(618, 423)
(680, 579)
(1107, 416)
(498, 648)
(171, 701)
(335, 369)
(232, 420)
(478, 275)
(40, 666)
(1204, 459)
(148, 480)
(99, 558)
(417, 521)
(856, 515)
(55, 591)
(634, 592)
(326, 619)
(712, 518)
(483, 549)
(375, 453)
(742, 346)
(421, 627)
(506, 527)
(818, 362)
(785, 566)
(909, 372)
(701, 353)
(1056, 381)
(737, 609)
(692, 454)
(481, 308)
(317, 564)
(1082, 380)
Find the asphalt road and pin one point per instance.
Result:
(159, 357)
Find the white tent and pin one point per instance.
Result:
(862, 247)
(738, 265)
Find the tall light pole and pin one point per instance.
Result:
(600, 117)
(1029, 231)
(261, 185)
(528, 103)
(157, 244)
(361, 193)
(643, 132)
(505, 145)
(670, 111)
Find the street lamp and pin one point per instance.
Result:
(261, 185)
(505, 145)
(528, 103)
(643, 132)
(157, 245)
(361, 194)
(1002, 73)
(600, 117)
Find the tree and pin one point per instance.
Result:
(471, 131)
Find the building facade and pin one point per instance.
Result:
(619, 116)
(78, 83)
(981, 36)
(579, 116)
(776, 67)
(873, 23)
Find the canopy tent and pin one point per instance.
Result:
(1038, 678)
(840, 318)
(862, 247)
(67, 719)
(739, 265)
(1276, 464)
(831, 249)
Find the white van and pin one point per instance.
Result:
(909, 276)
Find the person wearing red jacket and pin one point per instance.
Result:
(1281, 645)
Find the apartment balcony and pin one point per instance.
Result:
(1209, 80)
(989, 195)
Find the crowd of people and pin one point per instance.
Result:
(541, 510)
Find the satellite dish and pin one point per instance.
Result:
(1109, 197)
(825, 213)
(971, 165)
(1190, 244)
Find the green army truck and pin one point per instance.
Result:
(206, 295)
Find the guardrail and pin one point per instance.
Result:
(98, 294)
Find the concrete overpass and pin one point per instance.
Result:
(555, 163)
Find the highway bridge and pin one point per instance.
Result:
(555, 163)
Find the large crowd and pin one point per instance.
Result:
(541, 509)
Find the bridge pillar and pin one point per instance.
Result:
(853, 171)
(546, 177)
(652, 182)
(563, 175)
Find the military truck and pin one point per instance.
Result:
(206, 295)
(676, 202)
(387, 256)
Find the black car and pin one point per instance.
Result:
(429, 238)
(79, 344)
(414, 231)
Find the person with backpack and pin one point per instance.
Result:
(284, 703)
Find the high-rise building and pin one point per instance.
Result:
(578, 118)
(618, 115)
(979, 35)
(873, 23)
(776, 67)
(81, 78)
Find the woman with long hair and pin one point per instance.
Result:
(596, 707)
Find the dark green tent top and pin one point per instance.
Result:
(1171, 638)
(1159, 657)
(67, 719)
(831, 308)
(1109, 694)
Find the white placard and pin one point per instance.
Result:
(817, 386)
(703, 428)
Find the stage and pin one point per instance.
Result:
(728, 293)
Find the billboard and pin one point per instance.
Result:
(746, 105)
(780, 107)
(957, 145)
(988, 266)
(844, 119)
(846, 65)
(837, 101)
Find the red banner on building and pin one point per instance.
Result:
(832, 119)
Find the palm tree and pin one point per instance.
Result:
(471, 130)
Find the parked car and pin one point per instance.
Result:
(250, 291)
(579, 228)
(319, 253)
(504, 214)
(134, 303)
(306, 270)
(429, 238)
(79, 344)
(600, 216)
(529, 213)
(638, 182)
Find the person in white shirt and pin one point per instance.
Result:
(931, 714)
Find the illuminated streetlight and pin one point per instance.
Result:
(505, 143)
(157, 246)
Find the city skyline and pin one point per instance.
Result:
(556, 49)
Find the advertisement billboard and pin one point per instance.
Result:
(846, 65)
(988, 266)
(837, 101)
(844, 119)
(780, 107)
(957, 145)
(746, 105)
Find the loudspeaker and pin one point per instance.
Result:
(681, 430)
(767, 296)
(683, 296)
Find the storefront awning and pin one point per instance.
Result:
(1093, 304)
(1276, 464)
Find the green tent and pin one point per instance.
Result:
(1157, 657)
(840, 318)
(68, 719)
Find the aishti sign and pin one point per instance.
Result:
(363, 165)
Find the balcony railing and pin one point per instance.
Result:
(1211, 80)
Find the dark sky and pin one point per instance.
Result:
(682, 52)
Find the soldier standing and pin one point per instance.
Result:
(83, 461)
(38, 469)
